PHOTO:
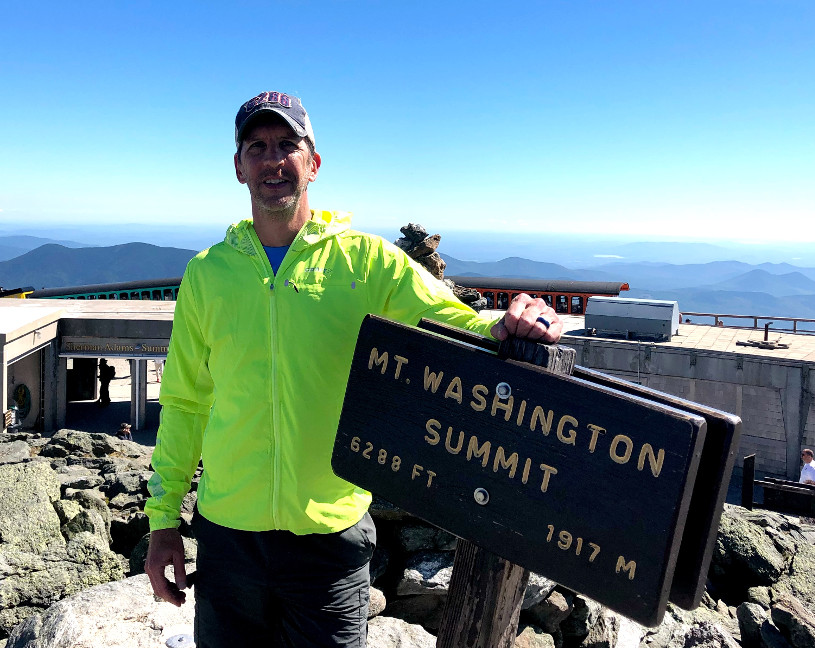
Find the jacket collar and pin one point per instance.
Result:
(322, 224)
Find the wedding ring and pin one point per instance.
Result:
(544, 321)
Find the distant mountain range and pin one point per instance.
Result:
(583, 250)
(15, 245)
(718, 273)
(55, 266)
(726, 287)
(734, 287)
(518, 267)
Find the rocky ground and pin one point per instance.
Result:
(73, 540)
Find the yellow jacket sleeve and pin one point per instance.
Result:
(186, 399)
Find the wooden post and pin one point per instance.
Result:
(748, 477)
(486, 591)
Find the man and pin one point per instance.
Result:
(106, 374)
(808, 470)
(124, 432)
(263, 336)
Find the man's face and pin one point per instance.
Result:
(277, 165)
(806, 457)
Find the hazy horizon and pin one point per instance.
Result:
(572, 250)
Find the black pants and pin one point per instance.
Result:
(275, 588)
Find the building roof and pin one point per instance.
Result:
(704, 337)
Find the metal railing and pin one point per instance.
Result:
(718, 320)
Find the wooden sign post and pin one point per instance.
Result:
(577, 480)
(486, 591)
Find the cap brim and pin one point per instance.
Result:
(299, 130)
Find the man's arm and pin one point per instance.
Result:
(405, 291)
(186, 398)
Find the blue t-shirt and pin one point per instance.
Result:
(276, 255)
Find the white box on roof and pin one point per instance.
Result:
(632, 318)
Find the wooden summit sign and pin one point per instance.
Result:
(577, 481)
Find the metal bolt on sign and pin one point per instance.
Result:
(503, 390)
(481, 496)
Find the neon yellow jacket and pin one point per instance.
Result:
(257, 368)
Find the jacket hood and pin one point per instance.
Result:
(322, 224)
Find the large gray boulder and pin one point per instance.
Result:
(377, 603)
(92, 501)
(115, 615)
(537, 589)
(710, 625)
(388, 632)
(799, 580)
(75, 476)
(31, 580)
(751, 616)
(771, 637)
(603, 628)
(746, 554)
(762, 556)
(760, 595)
(710, 614)
(795, 622)
(428, 572)
(91, 444)
(549, 613)
(14, 452)
(78, 443)
(584, 614)
(422, 592)
(49, 548)
(531, 637)
(28, 520)
(671, 633)
(709, 635)
(605, 633)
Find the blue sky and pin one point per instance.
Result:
(676, 119)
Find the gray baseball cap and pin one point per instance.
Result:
(289, 108)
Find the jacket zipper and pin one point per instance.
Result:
(274, 283)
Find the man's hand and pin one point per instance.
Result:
(525, 319)
(166, 548)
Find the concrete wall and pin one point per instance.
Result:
(27, 371)
(809, 406)
(773, 397)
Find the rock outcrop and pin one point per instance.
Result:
(73, 540)
(115, 615)
(423, 249)
(51, 546)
